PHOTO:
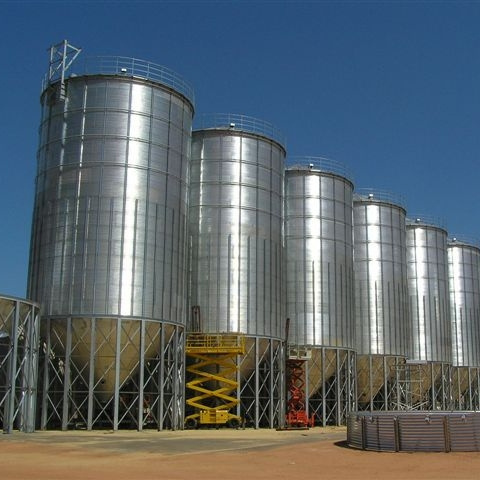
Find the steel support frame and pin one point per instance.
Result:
(79, 354)
(262, 383)
(465, 387)
(423, 386)
(19, 343)
(383, 371)
(336, 397)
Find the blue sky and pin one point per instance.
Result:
(391, 89)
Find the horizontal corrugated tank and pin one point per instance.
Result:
(440, 431)
(381, 288)
(319, 251)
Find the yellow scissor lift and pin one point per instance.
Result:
(214, 377)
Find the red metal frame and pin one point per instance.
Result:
(296, 412)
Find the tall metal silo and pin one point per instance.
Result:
(236, 194)
(381, 295)
(320, 281)
(108, 250)
(427, 374)
(464, 287)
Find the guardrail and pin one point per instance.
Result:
(364, 194)
(321, 164)
(236, 122)
(133, 67)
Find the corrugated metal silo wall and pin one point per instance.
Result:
(235, 222)
(428, 290)
(109, 228)
(381, 292)
(464, 283)
(319, 250)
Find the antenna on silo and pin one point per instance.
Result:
(62, 55)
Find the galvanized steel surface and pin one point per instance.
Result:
(415, 431)
(235, 220)
(109, 229)
(381, 289)
(464, 283)
(427, 261)
(319, 251)
(19, 345)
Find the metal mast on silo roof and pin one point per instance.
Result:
(62, 55)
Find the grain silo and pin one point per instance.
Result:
(19, 343)
(236, 194)
(320, 282)
(381, 297)
(427, 373)
(464, 287)
(108, 250)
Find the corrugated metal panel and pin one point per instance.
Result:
(379, 433)
(319, 250)
(422, 433)
(464, 283)
(381, 289)
(415, 431)
(428, 290)
(464, 432)
(236, 200)
(354, 430)
(109, 230)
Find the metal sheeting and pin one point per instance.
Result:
(19, 343)
(109, 228)
(427, 261)
(464, 283)
(236, 231)
(415, 431)
(319, 251)
(381, 293)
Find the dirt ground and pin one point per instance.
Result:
(319, 453)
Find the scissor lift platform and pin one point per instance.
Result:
(213, 371)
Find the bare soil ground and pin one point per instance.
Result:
(319, 453)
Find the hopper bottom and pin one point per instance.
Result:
(425, 386)
(19, 333)
(376, 375)
(329, 382)
(466, 388)
(111, 372)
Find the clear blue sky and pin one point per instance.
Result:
(392, 89)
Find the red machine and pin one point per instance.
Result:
(297, 416)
